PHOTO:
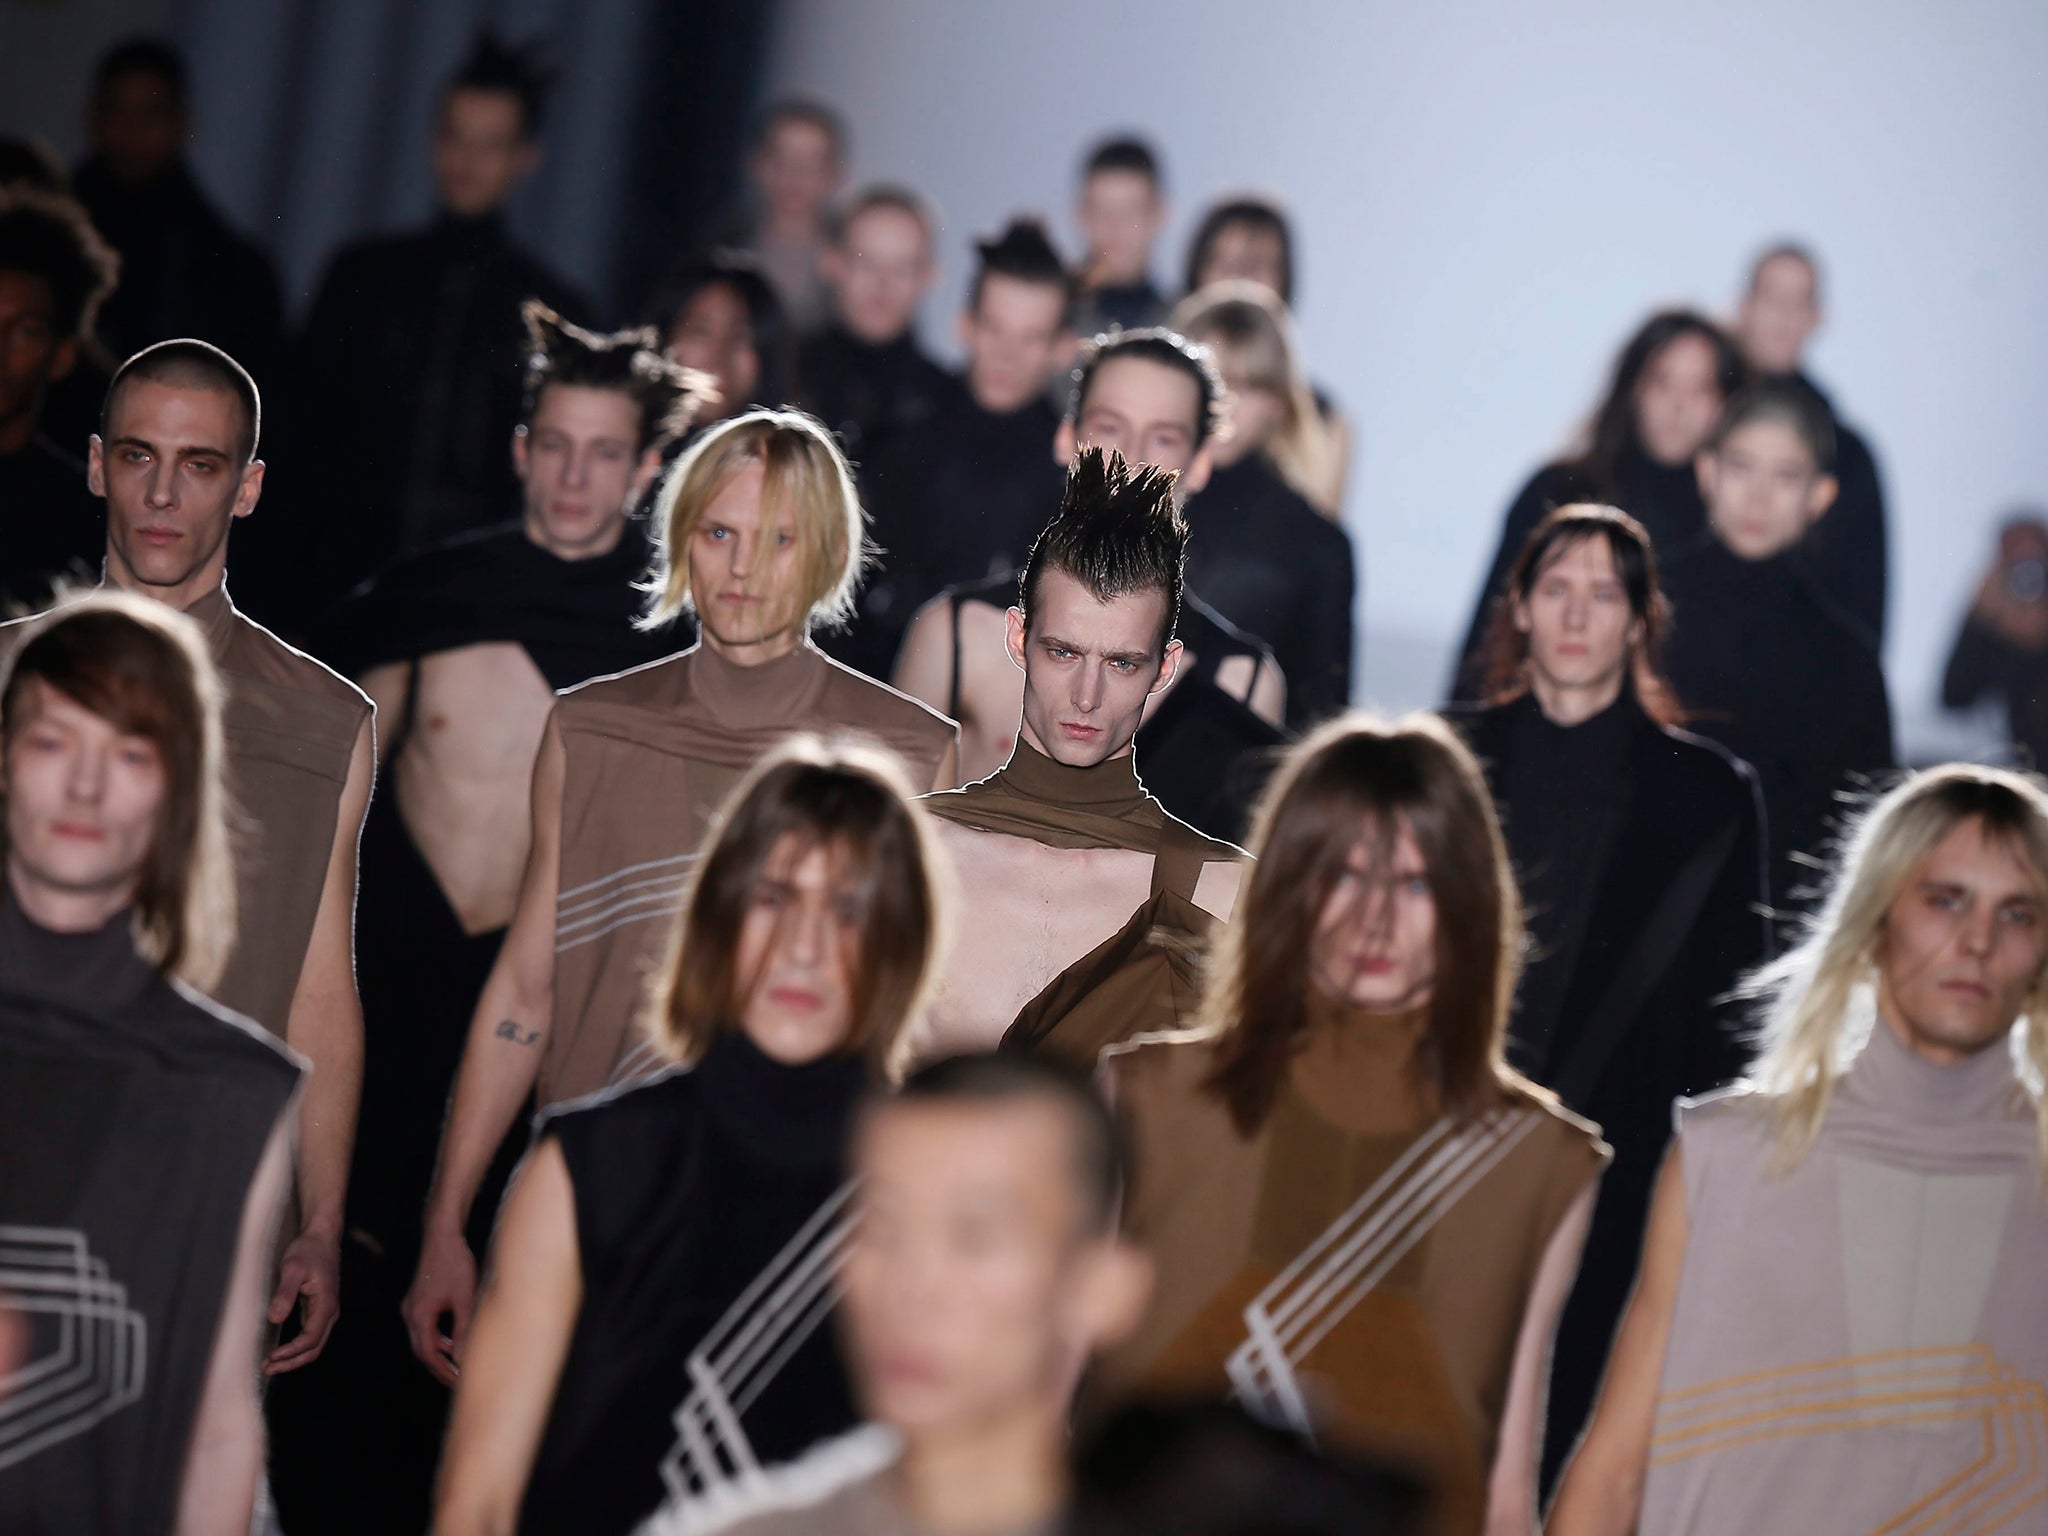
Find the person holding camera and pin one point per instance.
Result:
(2002, 649)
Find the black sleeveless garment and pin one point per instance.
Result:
(709, 1220)
(133, 1116)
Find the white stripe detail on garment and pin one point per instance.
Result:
(568, 898)
(587, 910)
(100, 1360)
(1302, 1304)
(639, 909)
(712, 1468)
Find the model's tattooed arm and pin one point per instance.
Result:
(508, 1029)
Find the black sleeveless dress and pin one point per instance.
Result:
(133, 1116)
(709, 1220)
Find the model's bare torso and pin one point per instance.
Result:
(1027, 912)
(466, 771)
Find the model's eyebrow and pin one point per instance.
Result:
(199, 451)
(1135, 658)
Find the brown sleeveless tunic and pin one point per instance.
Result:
(649, 756)
(291, 725)
(1368, 1288)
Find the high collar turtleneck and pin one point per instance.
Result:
(1104, 806)
(753, 698)
(97, 971)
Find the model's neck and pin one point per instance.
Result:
(1028, 736)
(1568, 705)
(594, 548)
(753, 653)
(65, 911)
(202, 582)
(999, 1477)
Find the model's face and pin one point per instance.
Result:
(1148, 412)
(1762, 489)
(1375, 939)
(714, 334)
(581, 465)
(481, 151)
(1778, 314)
(797, 949)
(795, 170)
(1088, 667)
(1249, 251)
(1962, 946)
(879, 272)
(83, 800)
(31, 351)
(1121, 212)
(959, 1303)
(1678, 399)
(1015, 337)
(137, 126)
(746, 567)
(171, 469)
(1256, 413)
(1581, 629)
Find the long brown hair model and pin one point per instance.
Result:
(1505, 655)
(855, 801)
(143, 668)
(1357, 777)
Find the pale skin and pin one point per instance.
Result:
(1762, 489)
(1779, 313)
(1149, 413)
(466, 771)
(175, 471)
(976, 1285)
(84, 800)
(797, 945)
(1374, 956)
(1089, 668)
(1959, 951)
(744, 575)
(1581, 631)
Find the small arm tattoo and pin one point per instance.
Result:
(508, 1029)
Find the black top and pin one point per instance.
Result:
(1265, 559)
(1847, 550)
(573, 617)
(1765, 663)
(698, 1194)
(50, 525)
(867, 394)
(953, 500)
(133, 1116)
(413, 355)
(1664, 498)
(1122, 306)
(184, 272)
(1985, 662)
(1565, 790)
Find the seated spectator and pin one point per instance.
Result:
(2001, 651)
(794, 170)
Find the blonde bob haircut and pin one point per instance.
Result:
(144, 669)
(1817, 1002)
(803, 472)
(855, 800)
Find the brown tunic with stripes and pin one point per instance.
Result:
(649, 755)
(1367, 1286)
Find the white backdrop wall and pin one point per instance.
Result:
(1490, 197)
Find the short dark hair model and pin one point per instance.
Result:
(143, 56)
(1635, 563)
(1207, 1469)
(1258, 213)
(1117, 532)
(502, 68)
(1025, 253)
(801, 109)
(33, 165)
(1169, 349)
(631, 362)
(51, 238)
(739, 271)
(1612, 432)
(990, 1077)
(191, 364)
(1795, 250)
(1124, 152)
(1788, 403)
(883, 195)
